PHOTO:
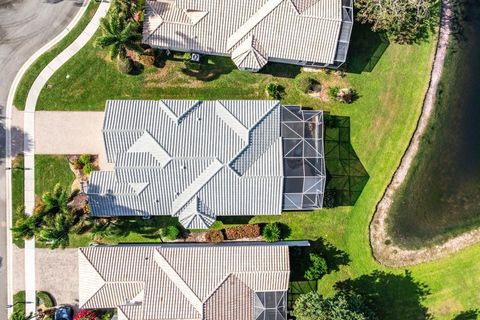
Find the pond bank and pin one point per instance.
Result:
(383, 250)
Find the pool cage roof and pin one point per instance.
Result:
(270, 306)
(303, 158)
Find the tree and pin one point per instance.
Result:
(312, 306)
(124, 7)
(407, 21)
(118, 35)
(318, 267)
(27, 227)
(56, 233)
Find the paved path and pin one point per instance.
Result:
(29, 130)
(392, 255)
(25, 25)
(57, 275)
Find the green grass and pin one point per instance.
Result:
(382, 121)
(32, 73)
(50, 170)
(17, 192)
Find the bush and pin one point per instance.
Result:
(329, 198)
(273, 91)
(214, 236)
(147, 60)
(347, 95)
(193, 65)
(271, 232)
(44, 298)
(187, 56)
(125, 65)
(333, 92)
(85, 314)
(170, 232)
(318, 267)
(88, 168)
(243, 231)
(85, 158)
(307, 85)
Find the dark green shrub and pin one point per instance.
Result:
(125, 65)
(85, 158)
(193, 65)
(170, 232)
(44, 298)
(333, 92)
(88, 168)
(271, 232)
(214, 236)
(318, 267)
(273, 91)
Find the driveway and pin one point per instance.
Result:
(25, 26)
(56, 273)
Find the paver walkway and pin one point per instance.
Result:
(29, 130)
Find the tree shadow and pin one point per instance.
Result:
(366, 49)
(468, 315)
(391, 296)
(211, 68)
(300, 258)
(346, 176)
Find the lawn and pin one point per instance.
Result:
(17, 191)
(391, 81)
(50, 170)
(34, 70)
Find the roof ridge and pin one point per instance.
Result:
(179, 282)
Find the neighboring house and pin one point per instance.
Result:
(197, 160)
(253, 32)
(204, 282)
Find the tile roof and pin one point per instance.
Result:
(181, 281)
(299, 30)
(191, 159)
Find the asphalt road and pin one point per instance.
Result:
(25, 26)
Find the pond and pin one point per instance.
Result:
(441, 196)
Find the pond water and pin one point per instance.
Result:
(441, 196)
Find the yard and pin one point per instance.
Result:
(380, 125)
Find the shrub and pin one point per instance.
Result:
(347, 95)
(85, 158)
(45, 299)
(77, 165)
(333, 92)
(88, 168)
(307, 85)
(147, 60)
(187, 56)
(193, 65)
(273, 91)
(329, 198)
(214, 236)
(243, 231)
(170, 232)
(318, 267)
(271, 232)
(85, 314)
(125, 65)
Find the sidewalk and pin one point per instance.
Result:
(29, 131)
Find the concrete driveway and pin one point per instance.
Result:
(25, 26)
(56, 273)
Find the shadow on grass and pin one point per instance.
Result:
(468, 315)
(300, 258)
(281, 70)
(366, 49)
(149, 228)
(227, 220)
(346, 176)
(210, 68)
(391, 296)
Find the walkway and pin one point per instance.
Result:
(390, 254)
(29, 131)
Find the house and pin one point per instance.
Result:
(253, 32)
(204, 282)
(197, 160)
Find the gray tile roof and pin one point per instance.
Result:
(181, 282)
(192, 159)
(250, 31)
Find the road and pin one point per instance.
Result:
(25, 26)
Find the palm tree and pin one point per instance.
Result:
(55, 201)
(124, 7)
(56, 232)
(27, 227)
(118, 35)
